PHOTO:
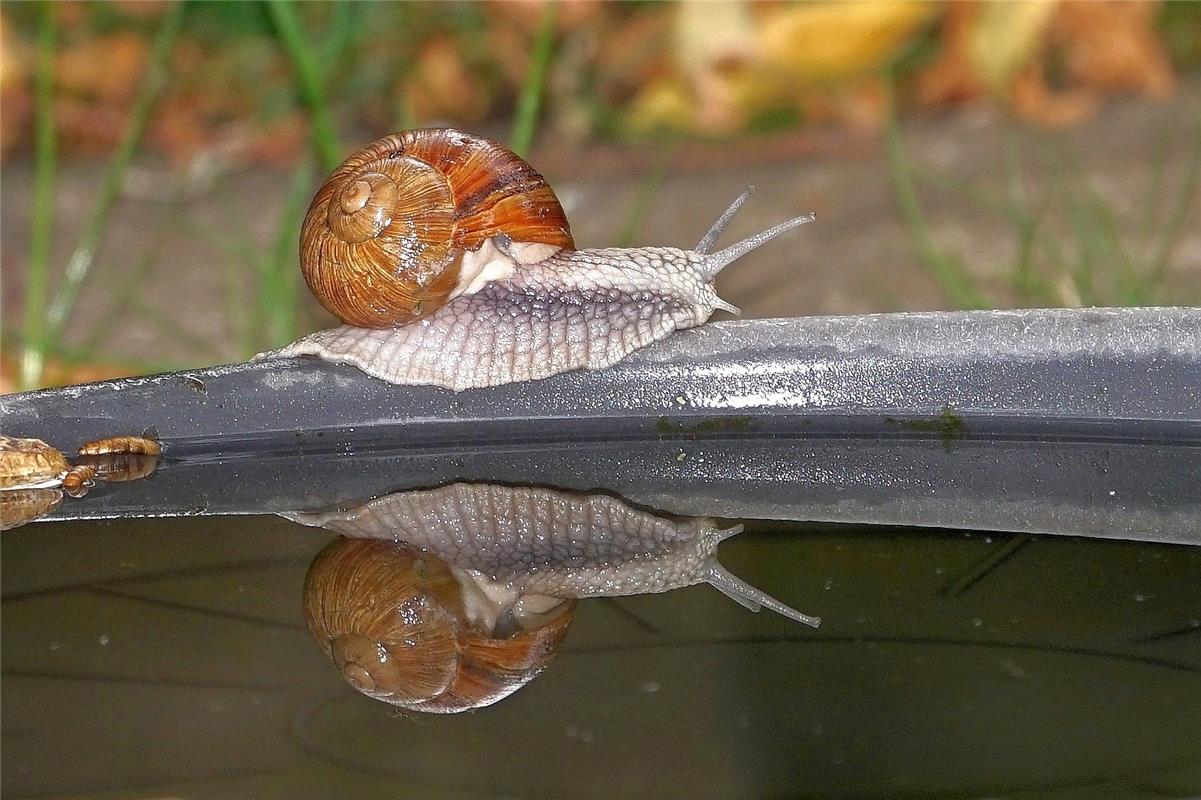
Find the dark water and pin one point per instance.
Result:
(170, 658)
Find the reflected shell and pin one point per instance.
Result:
(19, 506)
(391, 619)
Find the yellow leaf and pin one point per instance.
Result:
(1005, 37)
(830, 41)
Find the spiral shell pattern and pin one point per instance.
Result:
(382, 241)
(391, 620)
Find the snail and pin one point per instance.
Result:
(31, 474)
(403, 627)
(450, 262)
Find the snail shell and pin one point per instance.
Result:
(450, 262)
(384, 239)
(400, 626)
(30, 464)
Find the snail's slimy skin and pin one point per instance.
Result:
(509, 543)
(579, 309)
(513, 318)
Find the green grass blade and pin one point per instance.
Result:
(949, 272)
(33, 355)
(647, 189)
(85, 252)
(1182, 208)
(277, 297)
(525, 117)
(308, 71)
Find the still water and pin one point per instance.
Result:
(180, 657)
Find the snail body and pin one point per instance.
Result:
(450, 262)
(521, 541)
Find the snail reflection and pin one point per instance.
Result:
(449, 599)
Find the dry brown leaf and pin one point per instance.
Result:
(1113, 45)
(951, 79)
(1033, 100)
(442, 86)
(59, 373)
(107, 67)
(16, 95)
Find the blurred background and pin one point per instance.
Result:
(158, 157)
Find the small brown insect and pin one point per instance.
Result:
(121, 444)
(79, 480)
(118, 467)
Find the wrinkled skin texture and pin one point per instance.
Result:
(576, 309)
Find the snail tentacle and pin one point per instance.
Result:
(748, 596)
(705, 245)
(724, 258)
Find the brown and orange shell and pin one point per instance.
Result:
(383, 240)
(29, 462)
(391, 620)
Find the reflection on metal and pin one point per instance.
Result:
(449, 599)
(19, 506)
(34, 475)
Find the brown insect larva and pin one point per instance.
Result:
(121, 444)
(79, 480)
(120, 467)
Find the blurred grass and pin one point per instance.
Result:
(310, 76)
(42, 221)
(277, 299)
(1072, 233)
(84, 255)
(525, 116)
(948, 269)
